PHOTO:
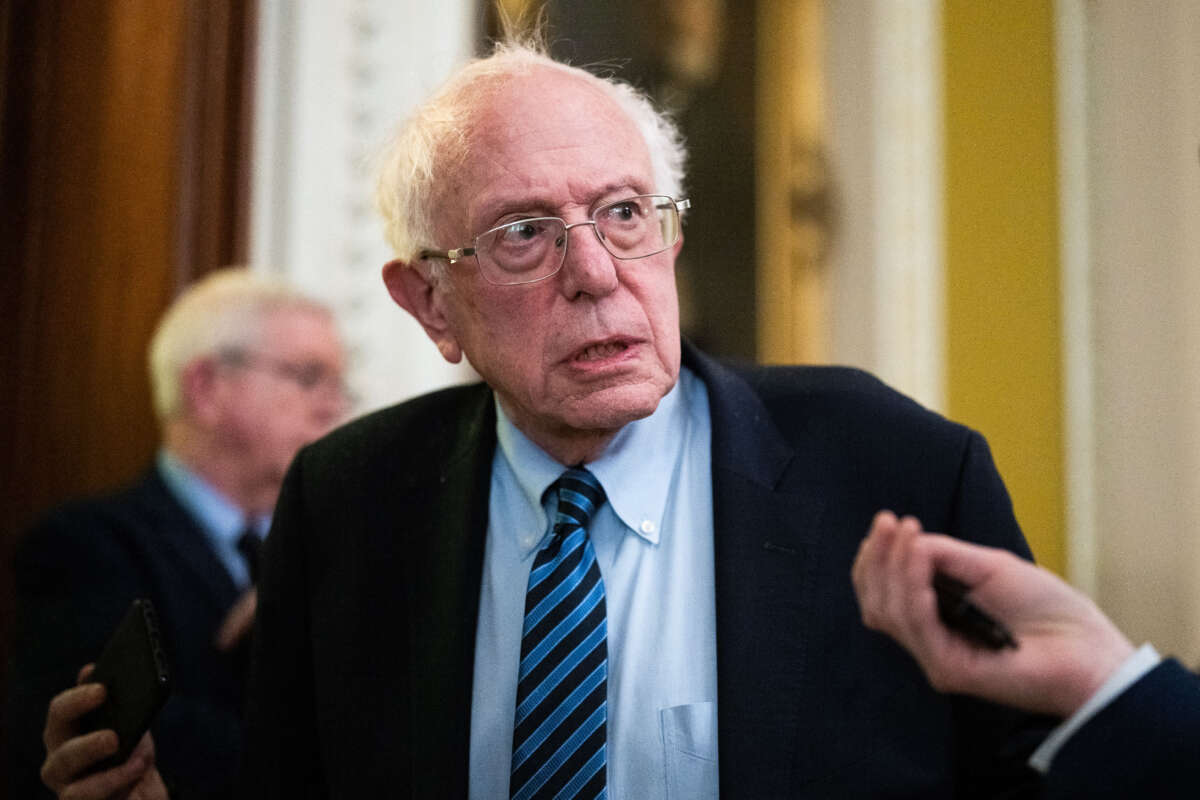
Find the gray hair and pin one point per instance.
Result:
(221, 313)
(435, 139)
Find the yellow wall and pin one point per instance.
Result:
(1003, 366)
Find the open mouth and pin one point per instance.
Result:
(599, 352)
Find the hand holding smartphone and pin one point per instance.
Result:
(133, 668)
(960, 614)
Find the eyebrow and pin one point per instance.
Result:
(535, 204)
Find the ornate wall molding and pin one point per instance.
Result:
(885, 138)
(334, 80)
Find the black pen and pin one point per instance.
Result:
(960, 614)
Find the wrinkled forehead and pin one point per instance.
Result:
(545, 130)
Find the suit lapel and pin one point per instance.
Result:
(766, 548)
(765, 554)
(177, 533)
(442, 583)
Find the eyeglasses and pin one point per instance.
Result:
(534, 248)
(308, 375)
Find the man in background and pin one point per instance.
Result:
(244, 372)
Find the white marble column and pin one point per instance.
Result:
(334, 78)
(885, 138)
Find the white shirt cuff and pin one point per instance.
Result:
(1144, 659)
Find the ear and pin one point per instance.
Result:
(413, 290)
(198, 384)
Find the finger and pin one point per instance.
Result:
(881, 527)
(904, 561)
(107, 783)
(65, 710)
(85, 672)
(145, 748)
(973, 564)
(143, 788)
(869, 562)
(66, 762)
(873, 549)
(881, 563)
(238, 621)
(942, 654)
(917, 601)
(150, 787)
(899, 546)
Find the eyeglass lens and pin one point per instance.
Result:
(531, 249)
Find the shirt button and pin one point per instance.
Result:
(648, 526)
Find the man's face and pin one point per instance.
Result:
(596, 345)
(285, 392)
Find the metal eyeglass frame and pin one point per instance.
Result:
(457, 254)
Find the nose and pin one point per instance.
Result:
(330, 402)
(588, 268)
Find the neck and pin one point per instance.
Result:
(220, 467)
(568, 446)
(575, 451)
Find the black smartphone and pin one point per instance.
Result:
(133, 668)
(960, 614)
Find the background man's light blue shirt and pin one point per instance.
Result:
(654, 543)
(217, 516)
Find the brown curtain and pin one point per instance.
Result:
(124, 145)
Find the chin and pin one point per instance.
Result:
(613, 408)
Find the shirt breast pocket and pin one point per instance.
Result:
(689, 734)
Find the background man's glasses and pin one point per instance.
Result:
(308, 375)
(534, 248)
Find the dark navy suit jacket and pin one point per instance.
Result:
(76, 574)
(364, 656)
(1145, 745)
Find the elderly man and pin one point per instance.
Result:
(616, 568)
(244, 371)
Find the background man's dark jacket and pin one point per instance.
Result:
(76, 574)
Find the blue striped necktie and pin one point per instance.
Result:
(560, 726)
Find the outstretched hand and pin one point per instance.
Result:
(1067, 647)
(71, 755)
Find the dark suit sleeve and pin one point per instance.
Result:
(982, 510)
(76, 574)
(1145, 744)
(72, 587)
(995, 742)
(282, 754)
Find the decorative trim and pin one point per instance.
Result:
(334, 78)
(909, 300)
(1079, 422)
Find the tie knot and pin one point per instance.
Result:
(579, 495)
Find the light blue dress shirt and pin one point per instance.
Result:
(219, 518)
(654, 543)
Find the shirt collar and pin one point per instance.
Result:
(635, 469)
(215, 512)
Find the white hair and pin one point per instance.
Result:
(434, 140)
(222, 313)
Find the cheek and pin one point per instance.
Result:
(661, 304)
(666, 308)
(504, 331)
